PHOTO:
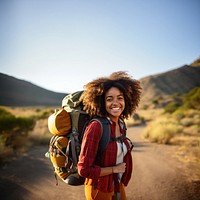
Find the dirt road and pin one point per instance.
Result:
(157, 176)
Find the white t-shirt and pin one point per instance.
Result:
(121, 152)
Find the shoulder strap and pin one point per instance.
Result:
(105, 135)
(123, 126)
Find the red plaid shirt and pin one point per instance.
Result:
(89, 165)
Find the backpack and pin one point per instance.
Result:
(67, 126)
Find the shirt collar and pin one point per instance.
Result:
(121, 122)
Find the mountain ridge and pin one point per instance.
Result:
(17, 92)
(176, 81)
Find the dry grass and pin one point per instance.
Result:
(181, 129)
(24, 111)
(150, 114)
(40, 134)
(162, 130)
(15, 142)
(30, 111)
(143, 116)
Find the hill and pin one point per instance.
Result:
(177, 81)
(16, 92)
(159, 87)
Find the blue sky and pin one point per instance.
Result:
(61, 45)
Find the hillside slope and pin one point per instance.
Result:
(177, 81)
(16, 92)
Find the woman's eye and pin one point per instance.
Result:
(109, 99)
(120, 98)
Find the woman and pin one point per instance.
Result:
(116, 98)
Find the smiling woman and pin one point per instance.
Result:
(113, 98)
(114, 103)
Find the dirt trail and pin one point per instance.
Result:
(157, 176)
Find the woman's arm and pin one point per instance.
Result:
(120, 168)
(89, 148)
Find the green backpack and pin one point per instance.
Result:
(67, 126)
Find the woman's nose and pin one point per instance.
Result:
(115, 101)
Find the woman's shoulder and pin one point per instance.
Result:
(95, 122)
(93, 127)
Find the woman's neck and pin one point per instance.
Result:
(114, 119)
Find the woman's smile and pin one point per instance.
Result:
(114, 103)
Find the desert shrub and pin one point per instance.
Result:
(162, 130)
(171, 107)
(6, 120)
(187, 117)
(192, 99)
(4, 113)
(186, 121)
(191, 117)
(45, 113)
(178, 114)
(192, 130)
(9, 122)
(196, 119)
(155, 101)
(13, 131)
(188, 101)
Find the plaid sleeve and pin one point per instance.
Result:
(89, 148)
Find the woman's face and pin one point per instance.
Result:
(114, 103)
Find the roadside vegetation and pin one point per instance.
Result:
(17, 129)
(178, 123)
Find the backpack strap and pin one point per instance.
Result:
(105, 135)
(121, 138)
(123, 125)
(54, 142)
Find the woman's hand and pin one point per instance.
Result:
(120, 168)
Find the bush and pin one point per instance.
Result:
(196, 119)
(44, 114)
(186, 121)
(8, 122)
(13, 130)
(192, 99)
(162, 130)
(155, 102)
(189, 101)
(179, 114)
(171, 107)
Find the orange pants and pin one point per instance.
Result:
(92, 194)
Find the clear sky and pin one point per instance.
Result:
(61, 45)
